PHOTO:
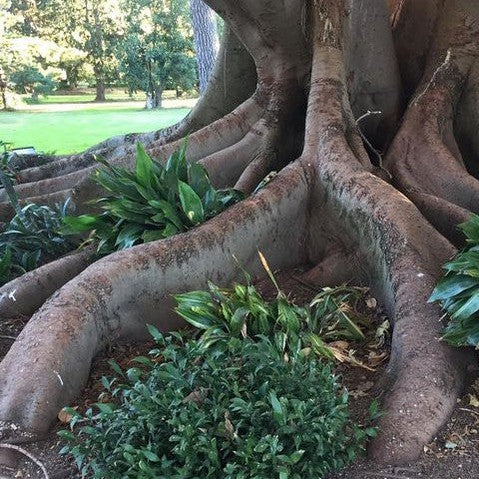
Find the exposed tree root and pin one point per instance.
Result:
(99, 305)
(60, 167)
(338, 267)
(217, 136)
(326, 208)
(403, 253)
(24, 295)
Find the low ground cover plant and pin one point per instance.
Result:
(232, 413)
(243, 399)
(241, 311)
(32, 237)
(458, 291)
(150, 203)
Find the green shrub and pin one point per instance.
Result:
(31, 80)
(458, 291)
(241, 311)
(236, 413)
(32, 237)
(151, 203)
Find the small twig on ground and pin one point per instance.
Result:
(27, 454)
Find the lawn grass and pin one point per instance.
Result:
(73, 131)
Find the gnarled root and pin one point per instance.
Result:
(99, 305)
(403, 254)
(24, 295)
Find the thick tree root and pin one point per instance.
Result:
(403, 254)
(99, 305)
(328, 201)
(24, 295)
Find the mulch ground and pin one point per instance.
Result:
(454, 453)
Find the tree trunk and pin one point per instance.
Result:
(4, 98)
(387, 188)
(100, 90)
(206, 40)
(158, 97)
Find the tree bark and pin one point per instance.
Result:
(100, 89)
(386, 190)
(206, 40)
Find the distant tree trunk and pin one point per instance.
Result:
(100, 89)
(158, 97)
(3, 91)
(4, 99)
(206, 39)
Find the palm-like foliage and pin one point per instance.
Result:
(458, 291)
(32, 237)
(152, 202)
(241, 311)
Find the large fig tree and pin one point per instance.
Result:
(369, 111)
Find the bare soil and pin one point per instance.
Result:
(452, 455)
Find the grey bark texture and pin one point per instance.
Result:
(206, 39)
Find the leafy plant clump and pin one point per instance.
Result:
(32, 237)
(241, 311)
(151, 203)
(458, 291)
(233, 413)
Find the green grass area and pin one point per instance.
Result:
(73, 131)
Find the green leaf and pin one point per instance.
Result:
(153, 235)
(470, 307)
(238, 320)
(144, 167)
(198, 179)
(452, 286)
(77, 224)
(128, 236)
(191, 203)
(154, 332)
(151, 456)
(169, 211)
(319, 346)
(278, 412)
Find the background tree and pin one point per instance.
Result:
(157, 51)
(103, 31)
(206, 39)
